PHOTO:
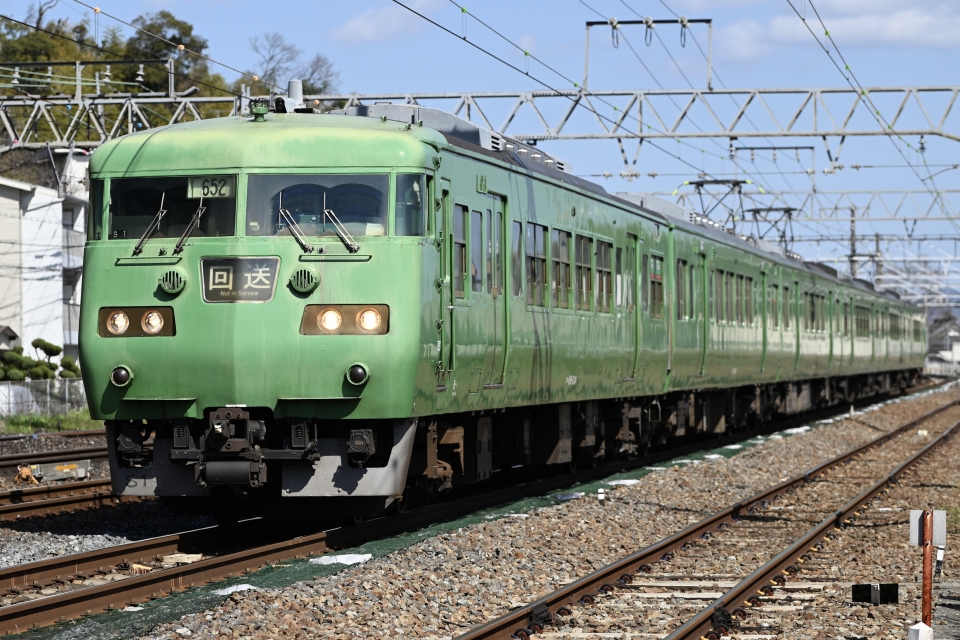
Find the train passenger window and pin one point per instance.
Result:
(862, 324)
(731, 316)
(409, 209)
(476, 251)
(681, 281)
(787, 303)
(630, 274)
(536, 264)
(561, 269)
(656, 287)
(604, 277)
(645, 282)
(95, 211)
(583, 290)
(498, 285)
(846, 318)
(135, 202)
(774, 311)
(718, 310)
(894, 326)
(489, 251)
(618, 278)
(358, 201)
(459, 250)
(516, 262)
(748, 301)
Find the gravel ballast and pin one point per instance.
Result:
(443, 585)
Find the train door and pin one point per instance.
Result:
(445, 283)
(764, 326)
(495, 288)
(703, 308)
(631, 286)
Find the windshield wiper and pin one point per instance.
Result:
(339, 229)
(294, 227)
(152, 228)
(194, 222)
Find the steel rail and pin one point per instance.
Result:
(702, 624)
(527, 619)
(43, 457)
(58, 498)
(55, 608)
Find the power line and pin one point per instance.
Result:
(179, 47)
(118, 56)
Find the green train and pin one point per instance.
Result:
(305, 313)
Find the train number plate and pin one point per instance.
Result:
(239, 279)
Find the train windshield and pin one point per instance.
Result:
(359, 202)
(135, 204)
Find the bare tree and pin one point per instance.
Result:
(35, 15)
(281, 61)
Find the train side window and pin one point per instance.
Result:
(536, 264)
(846, 318)
(774, 311)
(739, 296)
(489, 251)
(95, 211)
(731, 300)
(476, 251)
(645, 282)
(748, 302)
(604, 277)
(561, 268)
(695, 275)
(786, 309)
(895, 326)
(680, 281)
(630, 274)
(584, 273)
(498, 285)
(459, 250)
(517, 263)
(618, 278)
(718, 306)
(656, 287)
(409, 201)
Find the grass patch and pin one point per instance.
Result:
(953, 520)
(29, 423)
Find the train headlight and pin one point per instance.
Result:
(329, 320)
(152, 322)
(118, 323)
(368, 320)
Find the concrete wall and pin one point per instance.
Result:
(41, 236)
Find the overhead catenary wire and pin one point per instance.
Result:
(179, 46)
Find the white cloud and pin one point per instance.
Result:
(852, 23)
(378, 25)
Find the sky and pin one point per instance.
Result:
(378, 46)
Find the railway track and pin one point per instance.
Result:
(708, 579)
(11, 461)
(69, 586)
(57, 498)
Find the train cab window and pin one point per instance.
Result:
(476, 251)
(95, 211)
(135, 204)
(604, 277)
(516, 261)
(656, 287)
(408, 213)
(645, 282)
(359, 202)
(774, 311)
(583, 289)
(536, 264)
(561, 269)
(630, 274)
(459, 250)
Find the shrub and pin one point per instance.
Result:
(15, 375)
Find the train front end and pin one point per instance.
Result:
(251, 315)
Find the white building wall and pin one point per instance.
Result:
(41, 235)
(10, 254)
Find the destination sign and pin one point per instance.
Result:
(239, 279)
